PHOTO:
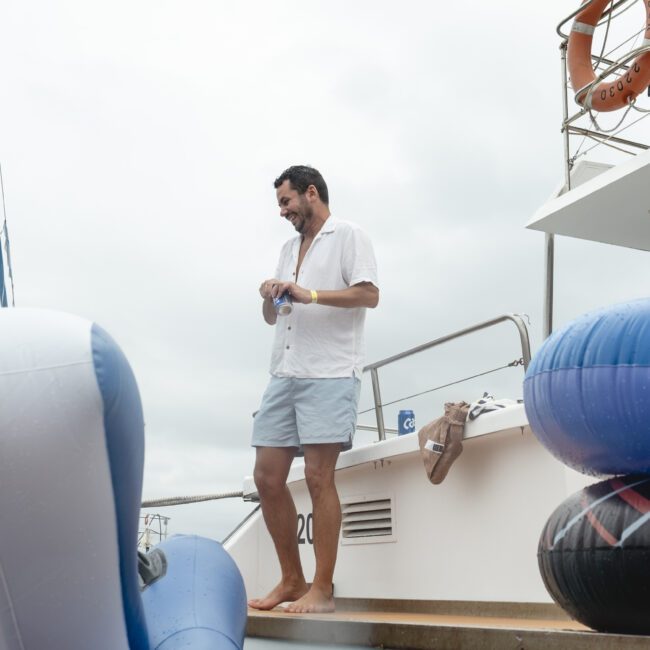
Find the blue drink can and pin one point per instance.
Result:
(282, 304)
(405, 422)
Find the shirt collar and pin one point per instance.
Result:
(329, 225)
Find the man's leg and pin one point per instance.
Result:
(271, 470)
(320, 461)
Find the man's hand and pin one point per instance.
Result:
(298, 294)
(363, 294)
(269, 288)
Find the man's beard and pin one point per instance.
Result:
(305, 215)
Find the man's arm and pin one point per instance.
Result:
(363, 294)
(268, 311)
(268, 291)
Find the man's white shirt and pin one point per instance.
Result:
(315, 340)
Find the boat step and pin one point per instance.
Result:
(423, 625)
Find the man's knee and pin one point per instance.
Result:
(268, 481)
(318, 478)
(271, 469)
(320, 463)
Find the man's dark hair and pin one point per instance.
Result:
(301, 177)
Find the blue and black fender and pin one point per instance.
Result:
(587, 397)
(71, 462)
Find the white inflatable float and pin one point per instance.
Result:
(71, 459)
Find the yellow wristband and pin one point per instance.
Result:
(314, 296)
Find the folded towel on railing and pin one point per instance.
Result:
(441, 441)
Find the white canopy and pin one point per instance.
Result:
(606, 204)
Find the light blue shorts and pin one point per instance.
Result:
(296, 412)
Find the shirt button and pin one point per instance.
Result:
(289, 327)
(287, 347)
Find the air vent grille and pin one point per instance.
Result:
(367, 518)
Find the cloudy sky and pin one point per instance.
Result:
(139, 141)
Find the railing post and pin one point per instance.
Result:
(379, 412)
(523, 338)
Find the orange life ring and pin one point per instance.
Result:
(607, 95)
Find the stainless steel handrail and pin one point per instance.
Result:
(374, 367)
(583, 6)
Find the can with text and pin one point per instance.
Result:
(405, 422)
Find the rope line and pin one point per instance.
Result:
(177, 501)
(625, 42)
(452, 383)
(609, 22)
(609, 144)
(613, 130)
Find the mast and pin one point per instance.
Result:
(5, 254)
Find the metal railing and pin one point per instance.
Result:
(605, 15)
(373, 368)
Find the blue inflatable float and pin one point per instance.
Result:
(587, 391)
(71, 459)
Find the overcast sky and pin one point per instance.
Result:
(139, 141)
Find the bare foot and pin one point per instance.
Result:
(280, 594)
(315, 601)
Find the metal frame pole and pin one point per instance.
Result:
(379, 411)
(549, 240)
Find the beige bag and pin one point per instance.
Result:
(441, 441)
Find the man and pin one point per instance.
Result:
(310, 404)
